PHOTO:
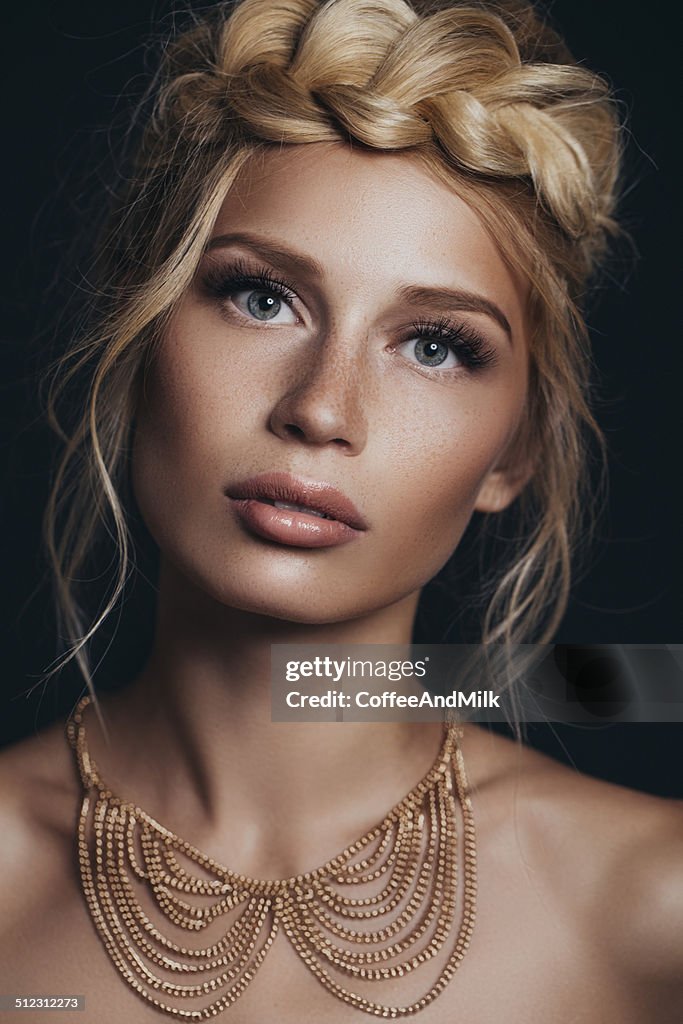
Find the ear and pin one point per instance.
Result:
(501, 487)
(507, 479)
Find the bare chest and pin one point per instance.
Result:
(524, 966)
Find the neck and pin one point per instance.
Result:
(193, 742)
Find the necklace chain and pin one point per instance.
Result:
(411, 855)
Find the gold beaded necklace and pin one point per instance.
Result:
(411, 854)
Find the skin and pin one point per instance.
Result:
(334, 392)
(338, 397)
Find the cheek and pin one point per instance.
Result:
(191, 403)
(430, 518)
(442, 451)
(179, 425)
(199, 411)
(438, 455)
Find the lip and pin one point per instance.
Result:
(253, 499)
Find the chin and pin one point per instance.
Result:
(305, 611)
(303, 588)
(291, 597)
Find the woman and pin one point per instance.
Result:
(339, 315)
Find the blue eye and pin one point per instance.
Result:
(443, 345)
(258, 296)
(431, 352)
(261, 304)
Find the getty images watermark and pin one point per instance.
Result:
(527, 682)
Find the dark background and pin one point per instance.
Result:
(70, 70)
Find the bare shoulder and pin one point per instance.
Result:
(38, 791)
(632, 846)
(606, 855)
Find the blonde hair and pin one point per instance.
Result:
(489, 98)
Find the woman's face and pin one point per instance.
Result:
(351, 325)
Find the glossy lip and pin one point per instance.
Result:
(314, 494)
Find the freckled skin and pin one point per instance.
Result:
(577, 918)
(333, 397)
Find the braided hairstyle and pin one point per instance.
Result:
(482, 91)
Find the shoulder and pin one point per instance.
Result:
(607, 858)
(38, 793)
(642, 908)
(625, 850)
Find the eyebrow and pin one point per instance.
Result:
(446, 298)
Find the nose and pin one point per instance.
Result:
(323, 400)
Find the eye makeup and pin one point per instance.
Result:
(222, 281)
(471, 348)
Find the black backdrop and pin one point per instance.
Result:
(70, 68)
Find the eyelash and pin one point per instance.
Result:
(225, 281)
(467, 343)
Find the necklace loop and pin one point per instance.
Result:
(403, 873)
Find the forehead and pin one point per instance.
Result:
(380, 217)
